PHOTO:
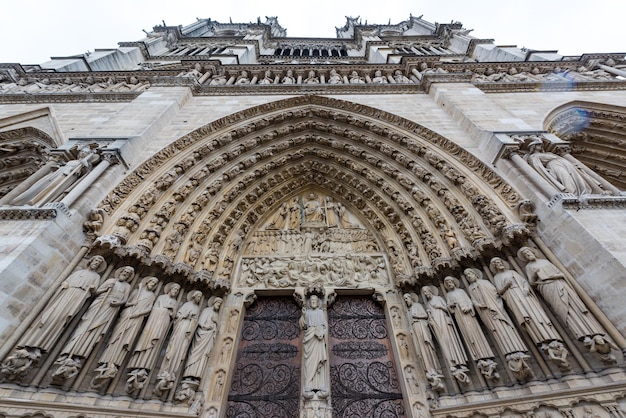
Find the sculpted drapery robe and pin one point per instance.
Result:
(444, 330)
(491, 311)
(146, 351)
(184, 328)
(202, 343)
(128, 326)
(314, 349)
(463, 310)
(66, 303)
(562, 298)
(424, 339)
(96, 321)
(525, 307)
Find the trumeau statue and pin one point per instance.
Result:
(147, 349)
(126, 329)
(204, 339)
(314, 324)
(182, 333)
(111, 295)
(62, 307)
(461, 307)
(562, 298)
(446, 334)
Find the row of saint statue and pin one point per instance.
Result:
(452, 320)
(137, 323)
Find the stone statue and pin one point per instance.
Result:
(62, 307)
(601, 347)
(295, 217)
(334, 77)
(379, 78)
(312, 78)
(355, 78)
(525, 307)
(182, 333)
(55, 183)
(147, 349)
(559, 295)
(288, 78)
(313, 211)
(111, 295)
(279, 219)
(461, 307)
(445, 332)
(243, 78)
(267, 79)
(421, 332)
(127, 328)
(204, 339)
(313, 322)
(400, 78)
(489, 306)
(561, 173)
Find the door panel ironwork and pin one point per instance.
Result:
(266, 379)
(364, 382)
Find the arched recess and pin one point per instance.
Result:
(428, 203)
(22, 152)
(597, 133)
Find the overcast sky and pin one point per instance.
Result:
(32, 31)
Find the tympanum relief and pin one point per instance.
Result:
(310, 239)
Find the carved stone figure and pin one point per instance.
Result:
(559, 295)
(355, 78)
(243, 78)
(111, 295)
(182, 333)
(146, 350)
(279, 219)
(557, 352)
(204, 339)
(400, 78)
(444, 330)
(127, 328)
(560, 172)
(334, 77)
(311, 78)
(601, 347)
(62, 307)
(313, 322)
(379, 78)
(525, 307)
(421, 332)
(461, 307)
(489, 306)
(313, 211)
(55, 183)
(288, 78)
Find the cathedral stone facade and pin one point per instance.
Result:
(402, 221)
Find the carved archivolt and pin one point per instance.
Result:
(596, 136)
(426, 198)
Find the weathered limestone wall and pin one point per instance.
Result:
(460, 112)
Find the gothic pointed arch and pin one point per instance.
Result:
(596, 133)
(427, 203)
